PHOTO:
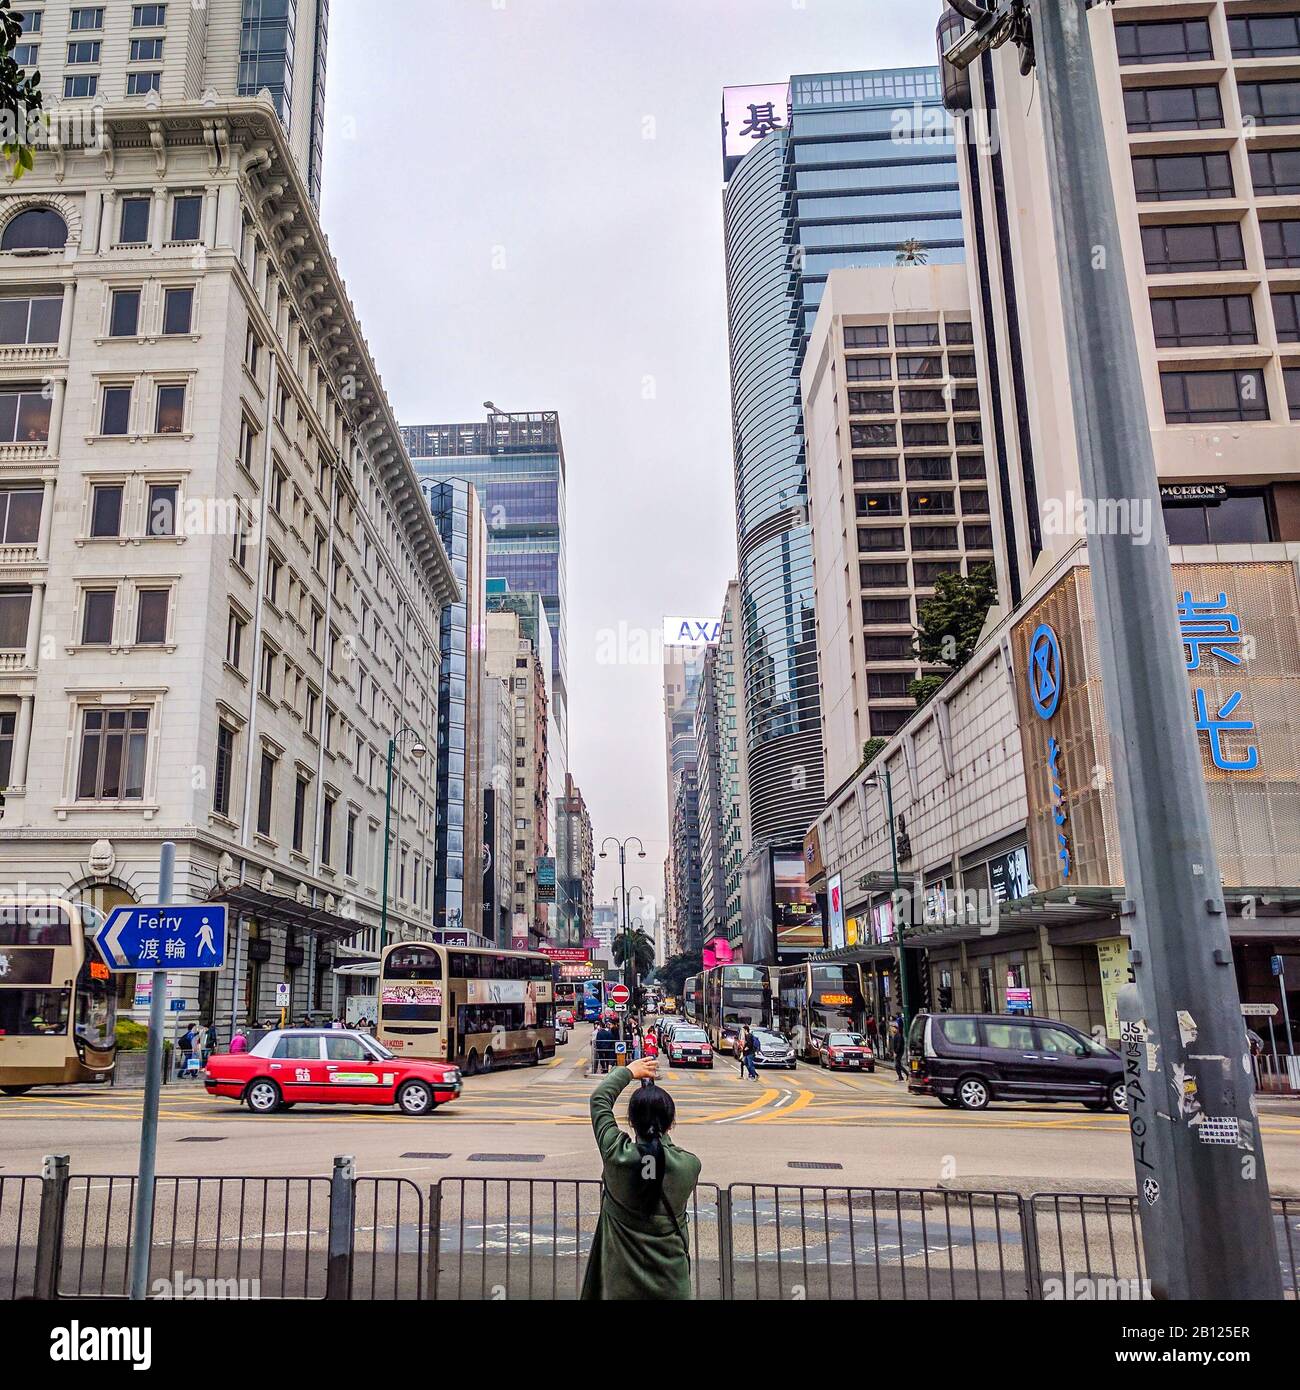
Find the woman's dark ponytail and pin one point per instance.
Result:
(651, 1112)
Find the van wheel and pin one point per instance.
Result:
(1117, 1096)
(262, 1097)
(471, 1064)
(973, 1093)
(950, 1101)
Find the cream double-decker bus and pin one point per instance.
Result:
(58, 1008)
(480, 1008)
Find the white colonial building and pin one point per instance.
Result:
(219, 583)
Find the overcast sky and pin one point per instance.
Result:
(524, 197)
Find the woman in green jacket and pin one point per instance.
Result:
(641, 1249)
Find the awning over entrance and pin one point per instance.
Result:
(288, 913)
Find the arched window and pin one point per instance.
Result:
(35, 229)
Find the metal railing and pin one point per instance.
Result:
(383, 1238)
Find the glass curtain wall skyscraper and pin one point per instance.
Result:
(836, 169)
(516, 463)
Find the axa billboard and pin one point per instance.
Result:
(1239, 625)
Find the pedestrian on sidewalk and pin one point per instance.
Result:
(896, 1041)
(641, 1248)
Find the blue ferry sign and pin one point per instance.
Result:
(164, 938)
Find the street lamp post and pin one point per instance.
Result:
(885, 780)
(418, 750)
(622, 872)
(1202, 1188)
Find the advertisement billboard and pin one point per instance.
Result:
(691, 632)
(796, 922)
(546, 879)
(835, 911)
(751, 114)
(756, 908)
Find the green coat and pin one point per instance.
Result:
(637, 1254)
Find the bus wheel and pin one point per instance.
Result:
(15, 1090)
(262, 1097)
(538, 1054)
(415, 1099)
(487, 1060)
(471, 1064)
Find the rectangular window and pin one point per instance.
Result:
(886, 610)
(31, 21)
(223, 769)
(871, 402)
(887, 647)
(867, 335)
(1168, 178)
(265, 794)
(164, 502)
(927, 571)
(878, 470)
(115, 419)
(1281, 243)
(146, 50)
(880, 504)
(934, 538)
(187, 213)
(971, 466)
(1275, 173)
(974, 502)
(923, 469)
(880, 538)
(887, 685)
(1164, 41)
(927, 503)
(30, 320)
(139, 84)
(27, 55)
(1270, 103)
(15, 611)
(148, 16)
(1173, 108)
(892, 575)
(83, 51)
(151, 617)
(1264, 35)
(178, 311)
(79, 85)
(1286, 317)
(1202, 397)
(961, 364)
(106, 509)
(868, 368)
(170, 416)
(235, 641)
(124, 316)
(968, 432)
(350, 844)
(959, 331)
(299, 812)
(114, 747)
(916, 334)
(932, 433)
(8, 722)
(881, 436)
(1203, 320)
(268, 672)
(88, 18)
(914, 402)
(327, 830)
(917, 368)
(1196, 246)
(134, 227)
(20, 515)
(978, 537)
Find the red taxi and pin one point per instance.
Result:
(848, 1051)
(328, 1067)
(689, 1047)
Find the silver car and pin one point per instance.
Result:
(773, 1050)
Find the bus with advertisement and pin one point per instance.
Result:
(734, 997)
(811, 1000)
(58, 1006)
(692, 1001)
(479, 1007)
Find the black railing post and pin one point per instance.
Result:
(343, 1209)
(435, 1237)
(49, 1228)
(1029, 1246)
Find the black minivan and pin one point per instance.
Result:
(968, 1060)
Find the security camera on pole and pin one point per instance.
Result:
(1203, 1194)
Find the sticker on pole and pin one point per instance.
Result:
(619, 995)
(164, 938)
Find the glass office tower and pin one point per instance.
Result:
(837, 169)
(516, 463)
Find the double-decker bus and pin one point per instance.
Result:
(734, 996)
(58, 1008)
(811, 1000)
(475, 1006)
(693, 1001)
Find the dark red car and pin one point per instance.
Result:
(328, 1067)
(845, 1051)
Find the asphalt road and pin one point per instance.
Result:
(806, 1126)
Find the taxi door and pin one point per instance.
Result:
(354, 1075)
(298, 1068)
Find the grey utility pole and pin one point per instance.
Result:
(1202, 1189)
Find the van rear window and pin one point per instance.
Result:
(960, 1032)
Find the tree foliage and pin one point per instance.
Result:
(871, 747)
(911, 252)
(635, 946)
(20, 96)
(676, 970)
(953, 617)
